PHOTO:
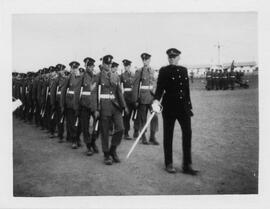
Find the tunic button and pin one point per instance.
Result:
(181, 97)
(181, 91)
(179, 76)
(180, 84)
(186, 78)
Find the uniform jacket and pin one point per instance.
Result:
(61, 84)
(127, 80)
(53, 87)
(146, 76)
(174, 81)
(110, 85)
(44, 87)
(88, 98)
(70, 93)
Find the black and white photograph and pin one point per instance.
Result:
(135, 104)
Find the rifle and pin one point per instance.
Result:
(44, 109)
(77, 119)
(98, 104)
(139, 91)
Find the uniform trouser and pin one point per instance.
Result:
(37, 114)
(225, 84)
(60, 124)
(30, 112)
(85, 116)
(127, 117)
(208, 85)
(73, 130)
(117, 120)
(168, 128)
(232, 83)
(142, 118)
(54, 118)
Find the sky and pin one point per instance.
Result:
(42, 40)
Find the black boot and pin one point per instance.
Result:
(114, 154)
(153, 139)
(187, 169)
(89, 151)
(144, 140)
(93, 144)
(126, 136)
(135, 134)
(107, 158)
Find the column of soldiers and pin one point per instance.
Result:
(83, 103)
(220, 80)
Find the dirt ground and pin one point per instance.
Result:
(224, 146)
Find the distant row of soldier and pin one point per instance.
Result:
(222, 79)
(88, 103)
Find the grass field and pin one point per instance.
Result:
(224, 146)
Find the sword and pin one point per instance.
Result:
(140, 135)
(143, 130)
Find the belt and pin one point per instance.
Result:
(224, 77)
(107, 96)
(58, 93)
(127, 89)
(86, 93)
(232, 76)
(70, 92)
(147, 87)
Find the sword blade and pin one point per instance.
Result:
(140, 135)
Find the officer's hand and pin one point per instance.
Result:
(156, 106)
(96, 114)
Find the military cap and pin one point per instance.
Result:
(145, 56)
(107, 59)
(51, 69)
(126, 62)
(89, 61)
(114, 64)
(60, 67)
(14, 73)
(82, 70)
(172, 52)
(74, 64)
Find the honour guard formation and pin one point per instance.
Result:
(70, 103)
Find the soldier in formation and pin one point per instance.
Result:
(75, 101)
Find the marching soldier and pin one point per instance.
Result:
(220, 81)
(208, 80)
(173, 85)
(216, 80)
(88, 105)
(142, 94)
(225, 79)
(71, 93)
(53, 83)
(59, 112)
(127, 85)
(110, 105)
(232, 77)
(36, 111)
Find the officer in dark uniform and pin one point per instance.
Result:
(173, 83)
(127, 84)
(110, 108)
(88, 105)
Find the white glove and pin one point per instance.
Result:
(156, 106)
(17, 103)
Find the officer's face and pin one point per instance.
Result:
(127, 68)
(146, 62)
